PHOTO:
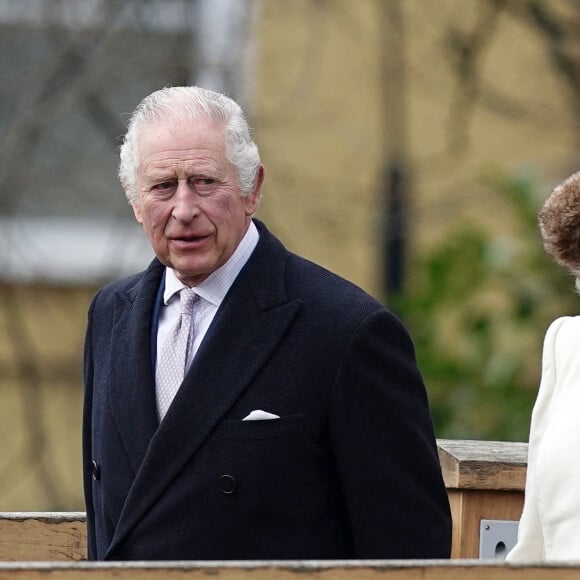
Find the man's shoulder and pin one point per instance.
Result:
(122, 285)
(129, 284)
(307, 279)
(320, 284)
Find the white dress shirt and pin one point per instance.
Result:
(210, 294)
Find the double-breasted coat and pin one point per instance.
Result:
(349, 470)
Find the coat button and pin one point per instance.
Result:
(227, 484)
(96, 470)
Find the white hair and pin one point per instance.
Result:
(191, 103)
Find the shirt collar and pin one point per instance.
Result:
(215, 287)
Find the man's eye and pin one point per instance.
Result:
(205, 185)
(164, 185)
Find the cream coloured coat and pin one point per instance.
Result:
(550, 524)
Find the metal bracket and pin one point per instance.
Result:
(497, 538)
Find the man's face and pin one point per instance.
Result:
(190, 204)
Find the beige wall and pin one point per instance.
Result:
(323, 123)
(324, 129)
(41, 335)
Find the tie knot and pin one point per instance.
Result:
(186, 299)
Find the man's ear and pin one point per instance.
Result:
(253, 199)
(137, 212)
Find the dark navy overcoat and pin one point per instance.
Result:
(349, 470)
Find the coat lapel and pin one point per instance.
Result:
(249, 325)
(132, 384)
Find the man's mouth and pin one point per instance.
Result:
(188, 242)
(189, 238)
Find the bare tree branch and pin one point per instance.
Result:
(559, 36)
(468, 51)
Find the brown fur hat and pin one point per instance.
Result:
(559, 221)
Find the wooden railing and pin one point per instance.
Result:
(484, 480)
(308, 570)
(45, 536)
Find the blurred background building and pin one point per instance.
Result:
(407, 144)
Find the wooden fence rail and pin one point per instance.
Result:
(484, 480)
(290, 570)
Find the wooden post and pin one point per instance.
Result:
(484, 480)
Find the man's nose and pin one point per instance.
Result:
(185, 203)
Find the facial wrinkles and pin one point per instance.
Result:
(181, 168)
(194, 242)
(218, 204)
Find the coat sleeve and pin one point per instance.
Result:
(385, 449)
(87, 438)
(530, 543)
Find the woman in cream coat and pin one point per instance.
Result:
(550, 524)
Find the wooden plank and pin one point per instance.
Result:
(492, 465)
(32, 536)
(469, 507)
(371, 570)
(456, 498)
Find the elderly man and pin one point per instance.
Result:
(240, 401)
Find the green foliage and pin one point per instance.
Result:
(477, 309)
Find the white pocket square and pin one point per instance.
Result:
(259, 415)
